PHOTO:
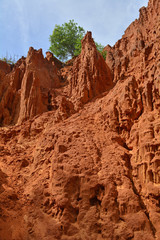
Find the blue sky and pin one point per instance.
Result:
(25, 23)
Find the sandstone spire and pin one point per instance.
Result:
(91, 75)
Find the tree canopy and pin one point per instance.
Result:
(66, 40)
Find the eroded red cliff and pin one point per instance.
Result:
(90, 75)
(86, 163)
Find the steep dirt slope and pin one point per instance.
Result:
(85, 165)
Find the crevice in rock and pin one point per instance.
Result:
(95, 201)
(150, 96)
(126, 147)
(141, 202)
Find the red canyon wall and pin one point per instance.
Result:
(80, 143)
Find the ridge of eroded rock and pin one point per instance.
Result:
(91, 173)
(91, 75)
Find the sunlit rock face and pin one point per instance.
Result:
(91, 75)
(40, 76)
(80, 143)
(25, 87)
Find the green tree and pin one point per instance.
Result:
(66, 40)
(100, 48)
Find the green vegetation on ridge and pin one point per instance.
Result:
(66, 41)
